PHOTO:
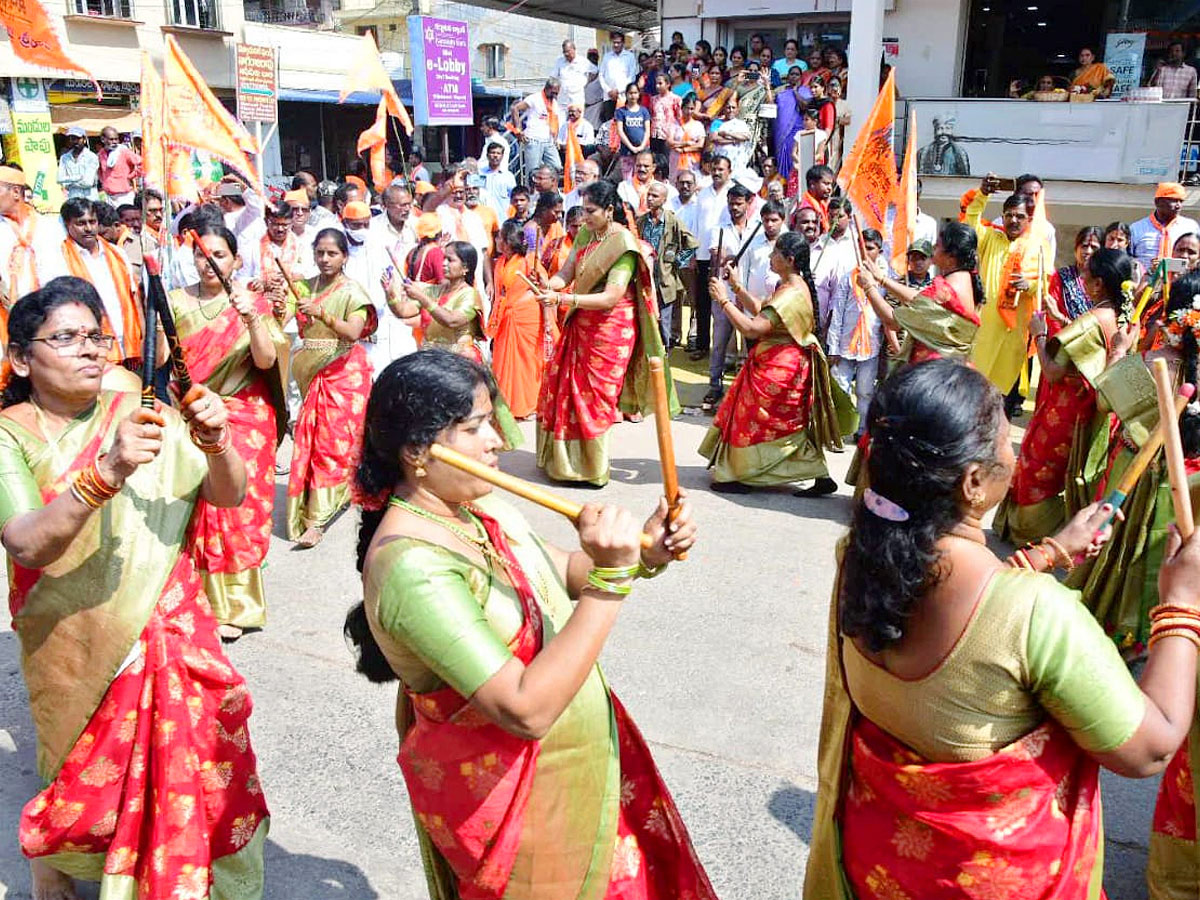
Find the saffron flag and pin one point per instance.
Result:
(868, 175)
(154, 164)
(196, 119)
(374, 139)
(574, 157)
(904, 226)
(367, 74)
(34, 38)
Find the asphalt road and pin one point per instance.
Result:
(720, 661)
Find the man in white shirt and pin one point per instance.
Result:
(493, 134)
(634, 189)
(461, 223)
(617, 69)
(686, 207)
(1154, 237)
(245, 212)
(756, 272)
(726, 242)
(539, 135)
(304, 230)
(26, 239)
(79, 167)
(585, 173)
(573, 73)
(391, 237)
(416, 166)
(585, 134)
(498, 182)
(711, 214)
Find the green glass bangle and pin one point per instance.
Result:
(600, 584)
(617, 572)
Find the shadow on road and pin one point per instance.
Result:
(294, 875)
(794, 807)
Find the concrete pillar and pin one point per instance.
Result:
(866, 47)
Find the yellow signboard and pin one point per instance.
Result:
(32, 146)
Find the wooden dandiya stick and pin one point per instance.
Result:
(547, 331)
(666, 441)
(1159, 274)
(287, 279)
(194, 238)
(514, 485)
(1144, 457)
(1181, 497)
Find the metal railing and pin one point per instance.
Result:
(107, 9)
(271, 15)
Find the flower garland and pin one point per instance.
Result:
(1182, 321)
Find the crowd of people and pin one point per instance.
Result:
(970, 699)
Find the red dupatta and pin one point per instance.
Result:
(469, 780)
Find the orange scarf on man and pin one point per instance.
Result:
(821, 207)
(551, 116)
(131, 313)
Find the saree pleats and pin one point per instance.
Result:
(1173, 872)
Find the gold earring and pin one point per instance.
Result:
(419, 471)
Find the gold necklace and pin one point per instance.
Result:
(480, 544)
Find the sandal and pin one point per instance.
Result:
(822, 487)
(228, 633)
(311, 537)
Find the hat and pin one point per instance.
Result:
(1171, 190)
(423, 188)
(356, 209)
(75, 131)
(296, 198)
(922, 246)
(357, 182)
(231, 189)
(9, 175)
(429, 225)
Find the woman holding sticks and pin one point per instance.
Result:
(778, 419)
(970, 701)
(523, 332)
(1118, 585)
(502, 710)
(334, 376)
(600, 365)
(235, 346)
(119, 647)
(1063, 417)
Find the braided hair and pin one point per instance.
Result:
(793, 247)
(959, 241)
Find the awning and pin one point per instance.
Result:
(608, 15)
(360, 98)
(92, 118)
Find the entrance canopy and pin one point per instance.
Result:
(608, 15)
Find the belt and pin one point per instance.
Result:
(325, 344)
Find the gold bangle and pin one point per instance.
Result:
(1067, 562)
(213, 448)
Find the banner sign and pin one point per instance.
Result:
(257, 84)
(1123, 55)
(441, 65)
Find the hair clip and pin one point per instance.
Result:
(883, 507)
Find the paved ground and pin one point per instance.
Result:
(720, 661)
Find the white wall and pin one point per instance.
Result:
(931, 45)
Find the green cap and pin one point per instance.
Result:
(921, 246)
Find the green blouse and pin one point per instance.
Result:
(1030, 649)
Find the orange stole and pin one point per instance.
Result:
(131, 313)
(517, 329)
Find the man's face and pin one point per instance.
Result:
(618, 43)
(10, 197)
(132, 219)
(775, 191)
(551, 92)
(472, 198)
(737, 208)
(573, 113)
(643, 167)
(495, 153)
(772, 225)
(1045, 83)
(277, 228)
(808, 224)
(544, 180)
(568, 51)
(109, 138)
(942, 132)
(75, 142)
(520, 204)
(685, 182)
(1175, 54)
(356, 229)
(458, 196)
(816, 60)
(300, 216)
(397, 206)
(584, 174)
(838, 220)
(822, 188)
(1016, 222)
(656, 196)
(1030, 188)
(720, 171)
(918, 265)
(352, 194)
(154, 213)
(85, 231)
(1167, 208)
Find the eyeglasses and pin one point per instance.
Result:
(65, 340)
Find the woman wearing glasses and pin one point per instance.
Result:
(119, 648)
(235, 345)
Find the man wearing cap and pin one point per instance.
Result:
(1153, 237)
(119, 167)
(319, 217)
(25, 239)
(916, 276)
(356, 222)
(79, 167)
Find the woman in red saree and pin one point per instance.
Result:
(970, 702)
(235, 346)
(599, 369)
(523, 332)
(334, 376)
(118, 647)
(527, 777)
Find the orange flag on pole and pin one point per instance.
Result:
(34, 38)
(868, 175)
(904, 226)
(574, 157)
(154, 163)
(367, 74)
(196, 119)
(374, 139)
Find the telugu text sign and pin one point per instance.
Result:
(257, 87)
(441, 61)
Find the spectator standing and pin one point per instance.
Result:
(79, 167)
(688, 143)
(119, 167)
(791, 58)
(498, 182)
(618, 68)
(713, 212)
(416, 167)
(1176, 78)
(493, 134)
(633, 129)
(855, 336)
(666, 114)
(674, 246)
(573, 73)
(727, 241)
(1153, 237)
(539, 135)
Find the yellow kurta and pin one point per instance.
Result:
(1000, 351)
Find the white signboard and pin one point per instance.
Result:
(1123, 55)
(1105, 140)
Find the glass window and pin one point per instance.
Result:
(111, 9)
(193, 13)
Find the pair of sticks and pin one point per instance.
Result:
(569, 508)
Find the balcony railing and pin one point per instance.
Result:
(193, 13)
(105, 9)
(290, 12)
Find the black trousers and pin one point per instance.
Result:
(703, 309)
